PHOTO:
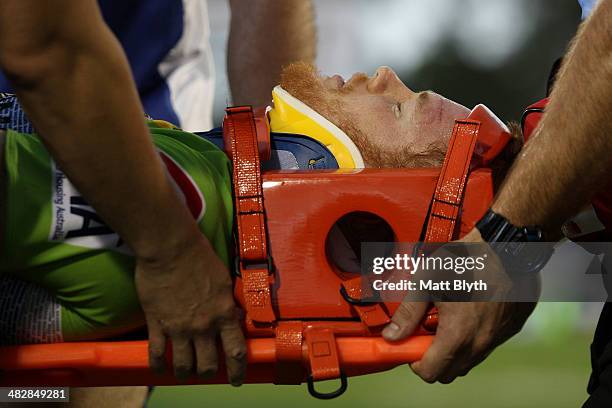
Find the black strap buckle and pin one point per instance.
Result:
(330, 395)
(358, 302)
(269, 263)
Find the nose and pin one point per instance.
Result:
(385, 79)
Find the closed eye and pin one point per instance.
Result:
(397, 109)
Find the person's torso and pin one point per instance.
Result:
(62, 269)
(47, 221)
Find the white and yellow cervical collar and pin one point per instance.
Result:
(290, 115)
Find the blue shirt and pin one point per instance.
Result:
(166, 43)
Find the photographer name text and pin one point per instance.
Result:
(458, 285)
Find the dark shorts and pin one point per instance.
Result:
(600, 383)
(2, 185)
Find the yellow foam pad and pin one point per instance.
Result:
(164, 124)
(290, 115)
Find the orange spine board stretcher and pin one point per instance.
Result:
(304, 329)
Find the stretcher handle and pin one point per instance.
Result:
(104, 362)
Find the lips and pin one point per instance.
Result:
(339, 80)
(339, 83)
(335, 82)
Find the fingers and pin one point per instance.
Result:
(183, 349)
(235, 351)
(157, 348)
(405, 320)
(445, 350)
(182, 357)
(206, 355)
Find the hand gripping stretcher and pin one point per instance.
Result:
(304, 321)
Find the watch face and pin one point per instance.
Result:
(532, 234)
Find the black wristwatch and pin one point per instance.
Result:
(516, 246)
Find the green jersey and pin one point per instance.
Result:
(79, 272)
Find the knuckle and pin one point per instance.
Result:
(202, 325)
(447, 380)
(157, 365)
(238, 353)
(458, 337)
(514, 327)
(462, 341)
(481, 345)
(227, 310)
(428, 377)
(464, 371)
(224, 286)
(163, 324)
(227, 285)
(174, 328)
(405, 311)
(237, 378)
(156, 352)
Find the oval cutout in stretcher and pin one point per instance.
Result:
(305, 288)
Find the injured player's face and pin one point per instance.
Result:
(392, 125)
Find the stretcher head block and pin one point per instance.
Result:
(302, 207)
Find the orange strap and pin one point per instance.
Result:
(444, 212)
(241, 144)
(289, 368)
(322, 354)
(448, 196)
(371, 314)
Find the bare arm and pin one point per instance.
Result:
(559, 171)
(74, 82)
(266, 35)
(569, 157)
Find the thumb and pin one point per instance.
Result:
(405, 320)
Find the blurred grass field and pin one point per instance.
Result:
(548, 368)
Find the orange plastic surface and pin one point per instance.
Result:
(302, 207)
(126, 363)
